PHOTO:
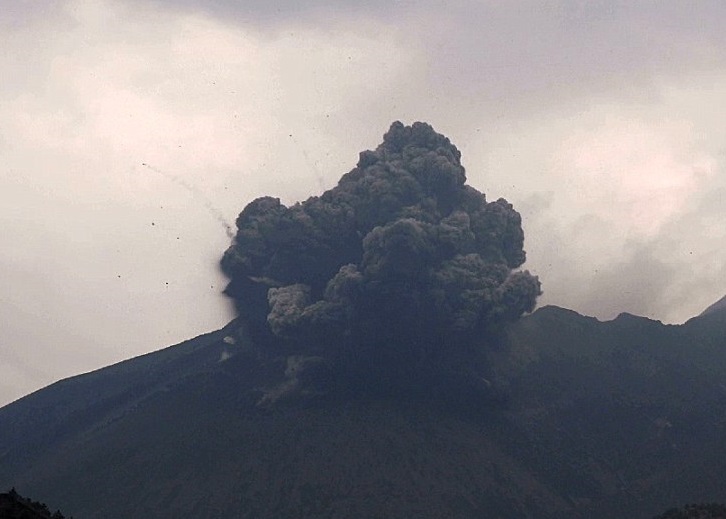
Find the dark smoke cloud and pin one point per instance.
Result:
(398, 268)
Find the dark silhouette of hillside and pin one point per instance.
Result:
(15, 506)
(575, 418)
(702, 511)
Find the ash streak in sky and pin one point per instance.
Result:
(200, 196)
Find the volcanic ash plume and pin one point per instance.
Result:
(397, 268)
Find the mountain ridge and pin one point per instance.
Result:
(576, 418)
(718, 306)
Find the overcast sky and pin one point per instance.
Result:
(131, 131)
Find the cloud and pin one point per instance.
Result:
(635, 173)
(276, 14)
(530, 56)
(99, 88)
(241, 99)
(638, 282)
(594, 185)
(391, 274)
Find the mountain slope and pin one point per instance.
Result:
(178, 432)
(628, 414)
(582, 419)
(718, 306)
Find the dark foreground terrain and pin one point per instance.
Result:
(575, 418)
(15, 506)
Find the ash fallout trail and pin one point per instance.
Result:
(199, 196)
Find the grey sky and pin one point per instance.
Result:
(602, 122)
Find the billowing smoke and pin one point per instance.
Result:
(398, 270)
